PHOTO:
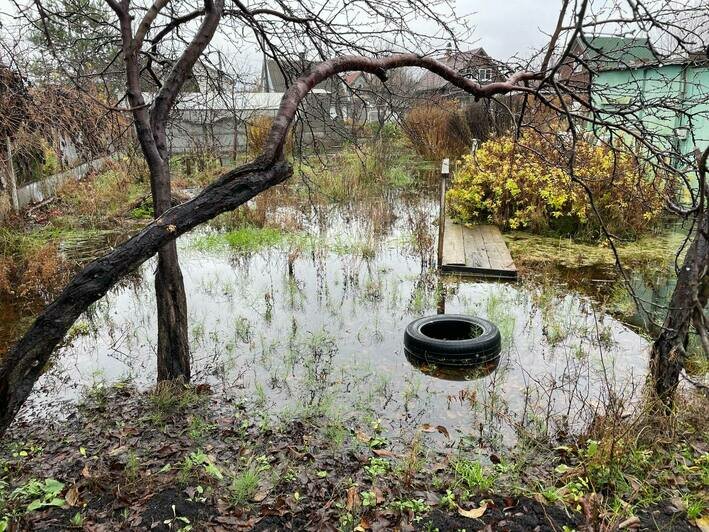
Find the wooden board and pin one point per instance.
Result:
(478, 250)
(453, 250)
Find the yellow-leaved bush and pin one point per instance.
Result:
(526, 184)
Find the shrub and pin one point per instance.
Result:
(31, 268)
(437, 129)
(257, 130)
(527, 184)
(488, 119)
(364, 170)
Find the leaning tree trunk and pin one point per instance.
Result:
(686, 307)
(26, 361)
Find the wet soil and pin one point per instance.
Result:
(122, 455)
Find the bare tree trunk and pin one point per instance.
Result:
(689, 299)
(173, 343)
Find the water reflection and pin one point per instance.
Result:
(313, 325)
(454, 374)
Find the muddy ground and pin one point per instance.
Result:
(193, 460)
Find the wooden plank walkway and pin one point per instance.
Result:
(478, 250)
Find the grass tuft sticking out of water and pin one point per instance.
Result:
(246, 238)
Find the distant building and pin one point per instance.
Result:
(216, 122)
(669, 98)
(602, 52)
(474, 64)
(371, 101)
(329, 105)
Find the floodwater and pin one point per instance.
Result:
(314, 324)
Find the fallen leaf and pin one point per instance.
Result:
(260, 496)
(352, 498)
(363, 524)
(427, 428)
(362, 437)
(475, 513)
(383, 452)
(72, 496)
(443, 430)
(117, 450)
(85, 472)
(630, 522)
(227, 520)
(702, 523)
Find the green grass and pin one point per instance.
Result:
(244, 486)
(245, 239)
(473, 475)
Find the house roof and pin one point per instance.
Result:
(351, 77)
(214, 101)
(606, 51)
(273, 79)
(239, 101)
(463, 62)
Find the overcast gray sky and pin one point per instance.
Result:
(502, 27)
(505, 27)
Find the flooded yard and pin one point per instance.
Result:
(310, 320)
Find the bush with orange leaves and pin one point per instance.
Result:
(31, 267)
(437, 129)
(257, 130)
(527, 184)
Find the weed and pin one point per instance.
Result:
(412, 462)
(244, 486)
(473, 474)
(132, 466)
(243, 330)
(415, 506)
(336, 433)
(37, 494)
(551, 494)
(448, 501)
(169, 397)
(77, 520)
(377, 467)
(261, 398)
(199, 427)
(198, 462)
(695, 508)
(243, 239)
(369, 499)
(181, 524)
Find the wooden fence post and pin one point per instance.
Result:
(445, 172)
(11, 181)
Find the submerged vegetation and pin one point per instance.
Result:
(648, 253)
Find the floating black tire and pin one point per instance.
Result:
(452, 340)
